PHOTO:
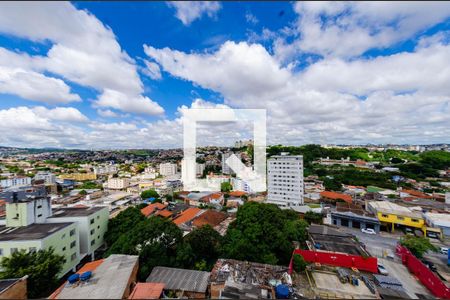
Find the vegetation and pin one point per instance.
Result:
(225, 187)
(263, 233)
(88, 185)
(42, 268)
(122, 223)
(299, 263)
(417, 245)
(151, 193)
(312, 217)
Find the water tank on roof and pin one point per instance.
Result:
(282, 291)
(85, 276)
(73, 278)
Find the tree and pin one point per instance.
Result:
(151, 193)
(225, 187)
(154, 239)
(82, 192)
(204, 243)
(332, 184)
(299, 263)
(122, 223)
(42, 268)
(141, 205)
(417, 245)
(312, 217)
(263, 233)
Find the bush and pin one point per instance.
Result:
(299, 263)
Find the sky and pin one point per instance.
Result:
(117, 75)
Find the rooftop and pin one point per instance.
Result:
(187, 215)
(180, 279)
(336, 196)
(392, 208)
(6, 283)
(150, 209)
(76, 211)
(30, 232)
(209, 217)
(109, 280)
(147, 290)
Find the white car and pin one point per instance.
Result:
(368, 230)
(382, 270)
(444, 250)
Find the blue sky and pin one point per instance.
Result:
(118, 74)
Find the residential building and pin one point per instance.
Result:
(49, 178)
(353, 220)
(15, 288)
(393, 215)
(15, 181)
(118, 183)
(79, 176)
(200, 168)
(63, 237)
(105, 169)
(184, 283)
(441, 221)
(167, 169)
(153, 208)
(92, 223)
(285, 180)
(147, 290)
(225, 167)
(111, 278)
(240, 185)
(329, 196)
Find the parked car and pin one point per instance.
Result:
(368, 230)
(408, 231)
(444, 250)
(429, 264)
(382, 270)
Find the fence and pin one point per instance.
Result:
(425, 275)
(337, 259)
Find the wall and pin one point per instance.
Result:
(337, 259)
(6, 246)
(17, 290)
(425, 275)
(407, 221)
(61, 241)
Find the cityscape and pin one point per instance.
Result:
(94, 198)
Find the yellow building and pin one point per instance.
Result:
(391, 214)
(79, 176)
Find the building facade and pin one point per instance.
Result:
(285, 180)
(49, 178)
(15, 181)
(118, 183)
(167, 169)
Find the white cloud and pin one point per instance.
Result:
(107, 113)
(189, 11)
(152, 70)
(349, 29)
(138, 104)
(83, 50)
(250, 18)
(35, 86)
(64, 114)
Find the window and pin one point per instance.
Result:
(98, 217)
(98, 236)
(39, 206)
(72, 232)
(93, 242)
(73, 244)
(92, 221)
(384, 216)
(400, 218)
(98, 227)
(64, 249)
(73, 256)
(92, 231)
(39, 215)
(415, 220)
(14, 250)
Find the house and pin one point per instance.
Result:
(15, 288)
(111, 278)
(329, 196)
(187, 216)
(393, 215)
(209, 217)
(182, 282)
(441, 221)
(147, 290)
(203, 198)
(153, 208)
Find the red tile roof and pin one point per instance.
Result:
(187, 215)
(237, 193)
(210, 217)
(417, 194)
(336, 196)
(147, 290)
(151, 208)
(164, 213)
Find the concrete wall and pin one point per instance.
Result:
(17, 290)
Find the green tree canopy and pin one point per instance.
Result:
(225, 187)
(263, 233)
(312, 217)
(299, 263)
(151, 193)
(417, 245)
(42, 268)
(122, 223)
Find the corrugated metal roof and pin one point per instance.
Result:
(180, 279)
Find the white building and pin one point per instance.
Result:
(105, 169)
(441, 221)
(240, 185)
(225, 167)
(200, 168)
(118, 183)
(167, 169)
(285, 180)
(49, 178)
(15, 181)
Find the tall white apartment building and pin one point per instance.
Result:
(15, 181)
(48, 177)
(118, 183)
(285, 180)
(167, 169)
(105, 169)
